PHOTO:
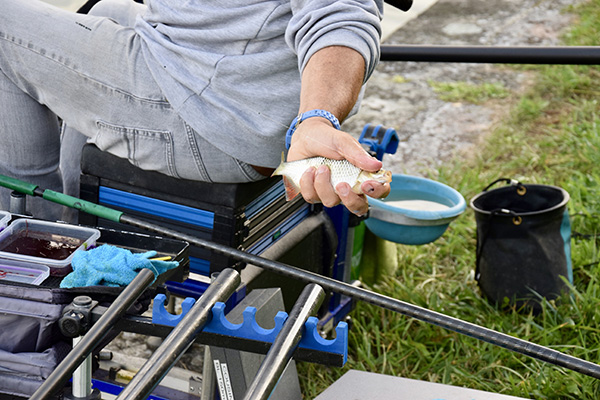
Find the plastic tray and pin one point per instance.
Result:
(4, 219)
(43, 242)
(20, 272)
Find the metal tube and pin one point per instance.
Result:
(286, 342)
(453, 324)
(574, 55)
(18, 203)
(99, 330)
(180, 338)
(208, 370)
(82, 377)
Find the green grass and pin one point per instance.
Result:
(552, 136)
(469, 92)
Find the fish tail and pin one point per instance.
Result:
(279, 169)
(291, 190)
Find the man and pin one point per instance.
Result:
(201, 90)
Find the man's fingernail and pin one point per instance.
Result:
(369, 188)
(343, 190)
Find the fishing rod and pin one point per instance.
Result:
(453, 324)
(571, 55)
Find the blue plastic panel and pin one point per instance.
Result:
(265, 200)
(159, 208)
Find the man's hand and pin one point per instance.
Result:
(317, 137)
(331, 81)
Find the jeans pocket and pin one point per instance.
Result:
(145, 148)
(249, 172)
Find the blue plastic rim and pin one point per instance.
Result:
(410, 226)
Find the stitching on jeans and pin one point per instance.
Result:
(191, 136)
(249, 173)
(133, 135)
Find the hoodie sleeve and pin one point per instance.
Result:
(316, 24)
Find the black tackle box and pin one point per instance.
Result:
(254, 217)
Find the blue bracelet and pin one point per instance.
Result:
(302, 116)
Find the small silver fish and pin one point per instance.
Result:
(341, 171)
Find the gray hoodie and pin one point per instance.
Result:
(231, 68)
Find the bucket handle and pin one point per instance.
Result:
(521, 189)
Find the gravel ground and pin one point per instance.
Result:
(432, 131)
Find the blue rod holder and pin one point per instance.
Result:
(251, 330)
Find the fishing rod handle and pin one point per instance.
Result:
(83, 205)
(17, 185)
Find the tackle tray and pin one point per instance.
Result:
(20, 272)
(43, 242)
(31, 345)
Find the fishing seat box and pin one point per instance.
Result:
(254, 217)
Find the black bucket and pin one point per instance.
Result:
(523, 244)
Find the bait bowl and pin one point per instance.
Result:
(391, 220)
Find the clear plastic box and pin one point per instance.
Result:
(4, 219)
(43, 242)
(21, 272)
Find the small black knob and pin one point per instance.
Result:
(71, 324)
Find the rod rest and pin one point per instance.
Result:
(251, 330)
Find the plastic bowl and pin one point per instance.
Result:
(42, 237)
(411, 225)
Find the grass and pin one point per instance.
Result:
(552, 136)
(469, 92)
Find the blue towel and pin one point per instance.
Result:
(111, 266)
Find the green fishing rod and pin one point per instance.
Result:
(453, 324)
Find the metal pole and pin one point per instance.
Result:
(454, 324)
(63, 371)
(286, 342)
(82, 377)
(18, 203)
(208, 370)
(574, 55)
(180, 338)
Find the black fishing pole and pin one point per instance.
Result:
(453, 324)
(570, 55)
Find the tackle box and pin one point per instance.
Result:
(254, 217)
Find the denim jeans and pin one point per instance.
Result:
(88, 70)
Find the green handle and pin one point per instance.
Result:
(85, 206)
(17, 185)
(60, 198)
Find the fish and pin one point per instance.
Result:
(341, 171)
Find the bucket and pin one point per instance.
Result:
(523, 243)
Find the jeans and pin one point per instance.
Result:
(88, 70)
